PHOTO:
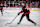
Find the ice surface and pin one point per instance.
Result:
(7, 18)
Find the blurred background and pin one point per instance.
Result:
(17, 3)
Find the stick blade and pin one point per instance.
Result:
(7, 24)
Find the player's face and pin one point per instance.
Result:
(1, 4)
(23, 4)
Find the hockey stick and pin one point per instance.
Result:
(12, 20)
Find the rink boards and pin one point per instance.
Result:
(19, 9)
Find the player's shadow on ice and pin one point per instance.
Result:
(22, 25)
(14, 25)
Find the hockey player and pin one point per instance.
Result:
(25, 13)
(1, 8)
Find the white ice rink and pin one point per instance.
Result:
(6, 18)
